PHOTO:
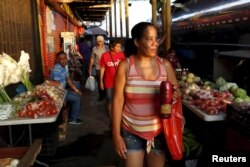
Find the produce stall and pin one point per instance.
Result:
(33, 106)
(42, 106)
(205, 108)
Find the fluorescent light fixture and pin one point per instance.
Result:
(65, 1)
(213, 9)
(101, 6)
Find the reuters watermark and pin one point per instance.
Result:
(228, 159)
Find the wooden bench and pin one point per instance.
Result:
(25, 155)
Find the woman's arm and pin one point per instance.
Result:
(171, 76)
(91, 61)
(72, 86)
(102, 70)
(117, 108)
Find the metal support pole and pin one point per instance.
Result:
(30, 134)
(121, 28)
(10, 136)
(126, 18)
(115, 18)
(110, 24)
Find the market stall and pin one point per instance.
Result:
(205, 108)
(34, 105)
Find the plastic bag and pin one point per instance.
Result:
(173, 130)
(90, 83)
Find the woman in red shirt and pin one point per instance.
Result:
(109, 63)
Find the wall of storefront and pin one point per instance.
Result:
(53, 23)
(19, 31)
(24, 26)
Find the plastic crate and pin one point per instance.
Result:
(49, 144)
(239, 119)
(49, 135)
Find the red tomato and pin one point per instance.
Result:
(203, 106)
(29, 106)
(35, 115)
(212, 111)
(22, 113)
(48, 113)
(30, 114)
(47, 102)
(53, 111)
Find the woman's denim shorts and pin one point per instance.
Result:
(136, 143)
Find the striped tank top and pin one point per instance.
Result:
(142, 102)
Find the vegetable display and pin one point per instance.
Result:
(212, 98)
(45, 100)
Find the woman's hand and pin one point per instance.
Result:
(101, 85)
(120, 146)
(176, 93)
(78, 92)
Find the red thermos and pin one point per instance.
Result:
(166, 92)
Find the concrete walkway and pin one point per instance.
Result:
(89, 144)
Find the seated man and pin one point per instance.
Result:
(60, 73)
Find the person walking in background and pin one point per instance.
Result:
(173, 58)
(109, 64)
(60, 73)
(136, 126)
(96, 55)
(85, 51)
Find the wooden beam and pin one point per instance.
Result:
(154, 17)
(166, 20)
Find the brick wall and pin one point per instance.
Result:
(61, 25)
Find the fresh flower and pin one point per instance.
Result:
(24, 68)
(12, 72)
(3, 77)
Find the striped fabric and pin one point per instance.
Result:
(142, 103)
(59, 73)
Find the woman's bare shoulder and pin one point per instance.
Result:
(166, 62)
(123, 65)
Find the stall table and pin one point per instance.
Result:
(209, 130)
(203, 115)
(29, 121)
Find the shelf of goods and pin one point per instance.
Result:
(219, 117)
